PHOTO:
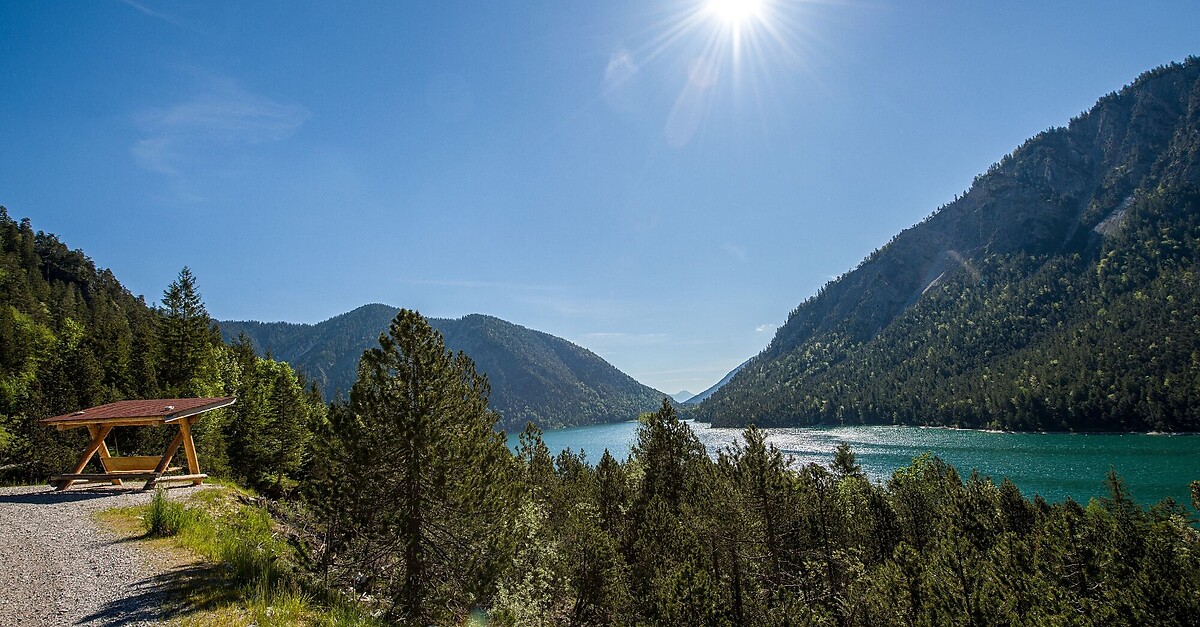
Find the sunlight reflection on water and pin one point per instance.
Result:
(1054, 465)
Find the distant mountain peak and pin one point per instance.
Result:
(699, 398)
(682, 396)
(534, 376)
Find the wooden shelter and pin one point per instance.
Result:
(157, 412)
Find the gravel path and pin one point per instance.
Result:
(59, 567)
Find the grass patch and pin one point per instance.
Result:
(165, 517)
(243, 571)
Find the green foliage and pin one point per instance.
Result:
(270, 432)
(416, 490)
(187, 336)
(164, 517)
(251, 551)
(253, 573)
(72, 337)
(529, 594)
(750, 540)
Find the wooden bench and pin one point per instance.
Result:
(134, 463)
(136, 467)
(104, 477)
(158, 412)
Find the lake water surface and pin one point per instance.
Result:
(1054, 465)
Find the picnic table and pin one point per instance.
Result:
(156, 412)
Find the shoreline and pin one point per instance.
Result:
(974, 429)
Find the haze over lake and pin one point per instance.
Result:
(1054, 465)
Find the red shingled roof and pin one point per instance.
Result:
(167, 409)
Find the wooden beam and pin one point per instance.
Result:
(104, 456)
(92, 447)
(196, 479)
(172, 448)
(106, 476)
(124, 422)
(150, 477)
(189, 447)
(145, 463)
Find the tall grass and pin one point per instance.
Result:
(252, 553)
(165, 517)
(242, 540)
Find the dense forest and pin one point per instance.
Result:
(535, 377)
(416, 508)
(1058, 293)
(405, 500)
(72, 337)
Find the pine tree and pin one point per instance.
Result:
(186, 334)
(418, 484)
(289, 426)
(669, 452)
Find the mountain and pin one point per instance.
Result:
(682, 396)
(701, 397)
(1059, 292)
(534, 376)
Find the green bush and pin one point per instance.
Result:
(165, 517)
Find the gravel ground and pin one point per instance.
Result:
(59, 567)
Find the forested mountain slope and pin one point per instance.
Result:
(71, 336)
(1058, 293)
(534, 376)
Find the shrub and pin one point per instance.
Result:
(165, 517)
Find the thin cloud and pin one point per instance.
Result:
(735, 251)
(612, 339)
(763, 328)
(494, 285)
(152, 13)
(221, 116)
(620, 87)
(620, 68)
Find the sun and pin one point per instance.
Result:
(731, 48)
(735, 13)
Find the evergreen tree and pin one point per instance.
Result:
(419, 490)
(186, 334)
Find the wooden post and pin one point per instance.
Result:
(96, 443)
(189, 448)
(172, 448)
(104, 455)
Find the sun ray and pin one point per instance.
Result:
(740, 51)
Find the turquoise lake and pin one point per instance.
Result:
(1054, 465)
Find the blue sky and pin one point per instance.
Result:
(610, 172)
